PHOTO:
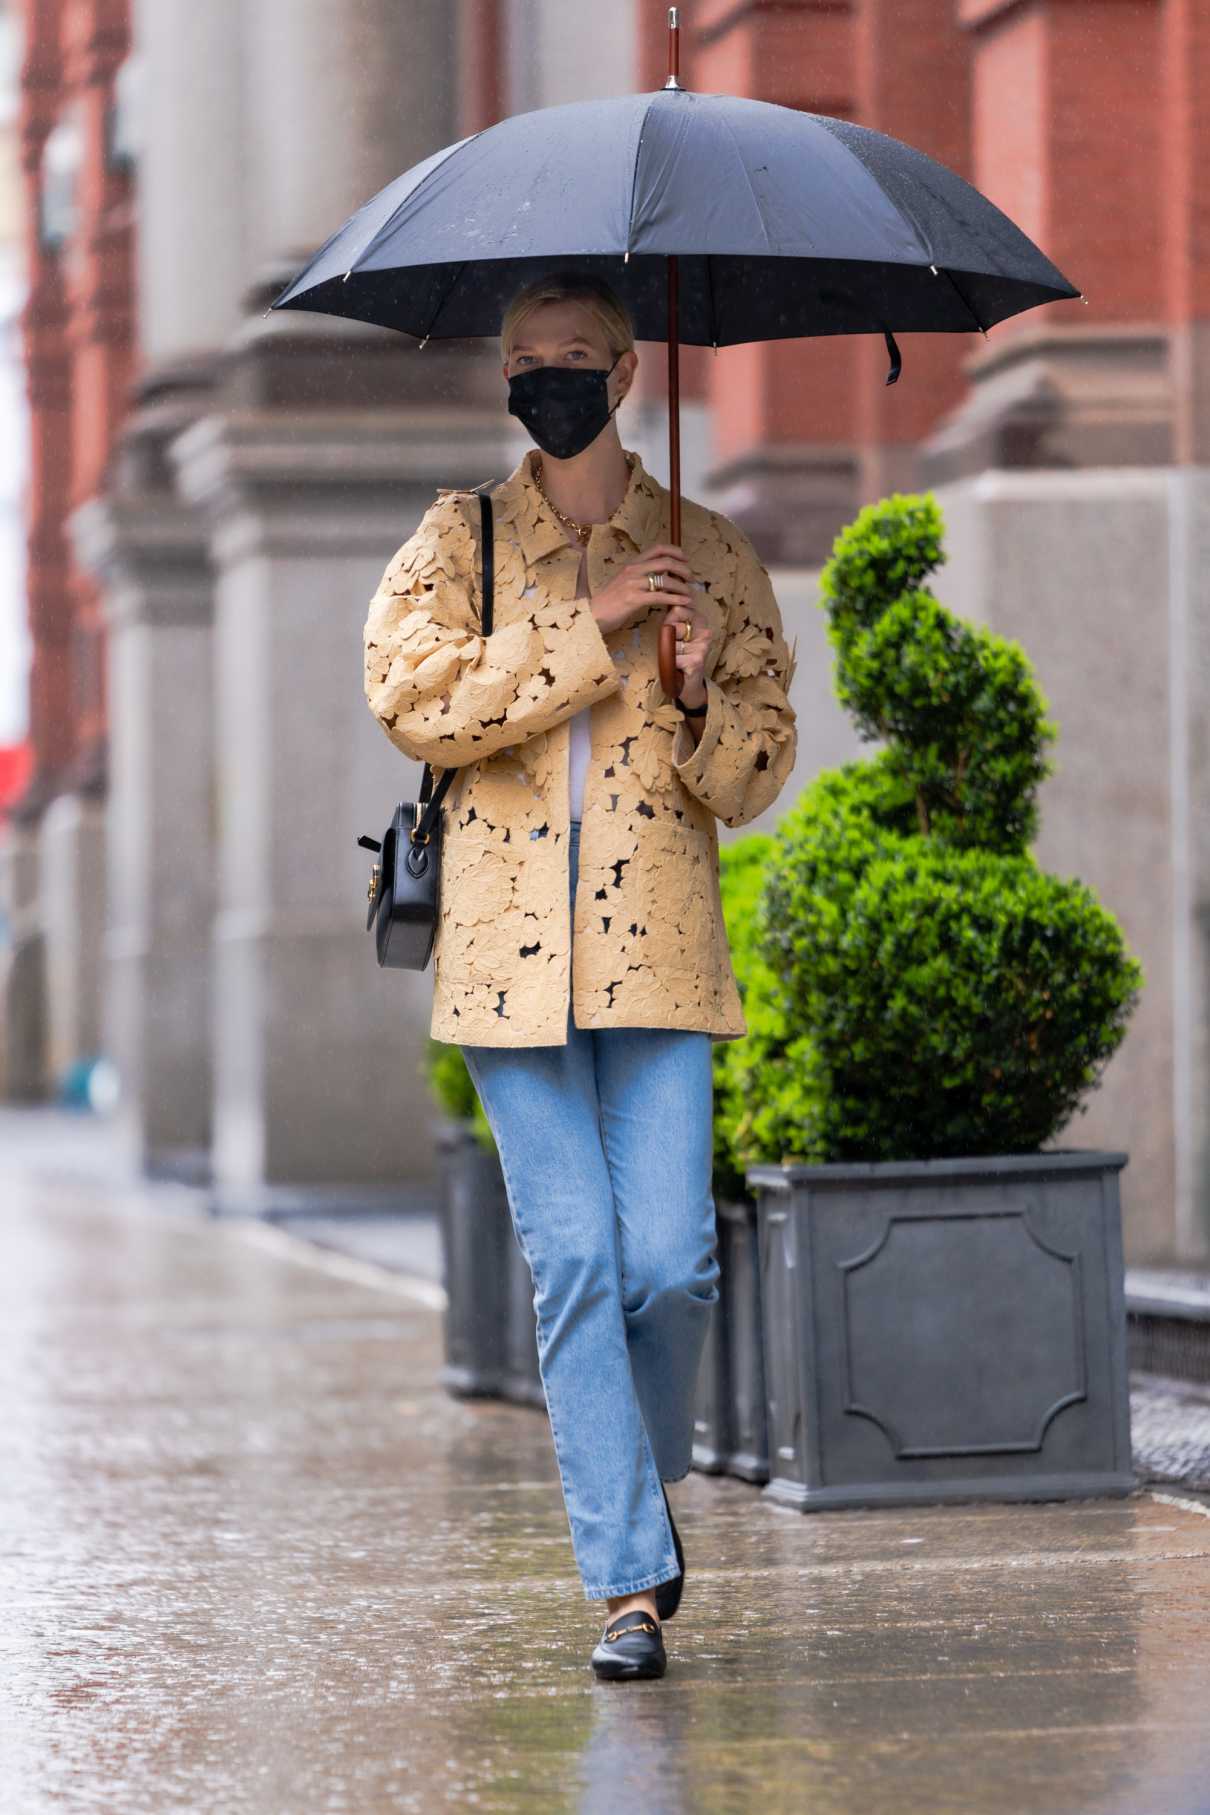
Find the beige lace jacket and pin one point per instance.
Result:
(648, 947)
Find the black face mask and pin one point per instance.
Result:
(564, 408)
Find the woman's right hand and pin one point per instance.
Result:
(628, 595)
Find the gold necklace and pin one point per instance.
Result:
(582, 531)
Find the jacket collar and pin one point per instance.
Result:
(642, 515)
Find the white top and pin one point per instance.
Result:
(577, 762)
(580, 742)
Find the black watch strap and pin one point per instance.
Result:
(694, 711)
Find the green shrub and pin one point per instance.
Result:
(926, 989)
(741, 878)
(453, 1090)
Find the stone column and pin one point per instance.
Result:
(345, 98)
(72, 863)
(194, 231)
(150, 557)
(1102, 575)
(1075, 566)
(150, 552)
(89, 277)
(786, 465)
(23, 1069)
(1185, 40)
(305, 495)
(318, 1055)
(1189, 772)
(46, 346)
(1071, 383)
(912, 76)
(1076, 527)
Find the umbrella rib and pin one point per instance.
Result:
(634, 177)
(901, 208)
(409, 197)
(751, 191)
(906, 214)
(967, 305)
(445, 296)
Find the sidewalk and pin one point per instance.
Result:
(254, 1559)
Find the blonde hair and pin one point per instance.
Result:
(571, 286)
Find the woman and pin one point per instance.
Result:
(581, 959)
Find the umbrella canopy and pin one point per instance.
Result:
(715, 218)
(783, 224)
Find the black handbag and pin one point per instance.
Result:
(405, 884)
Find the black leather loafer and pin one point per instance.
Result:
(631, 1645)
(668, 1594)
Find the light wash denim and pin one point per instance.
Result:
(606, 1149)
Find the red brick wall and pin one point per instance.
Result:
(78, 337)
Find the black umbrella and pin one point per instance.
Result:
(717, 219)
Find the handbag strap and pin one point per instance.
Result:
(431, 798)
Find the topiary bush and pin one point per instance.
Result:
(944, 995)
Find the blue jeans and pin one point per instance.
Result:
(605, 1145)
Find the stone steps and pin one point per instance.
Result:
(1168, 1322)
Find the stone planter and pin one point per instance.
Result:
(476, 1236)
(491, 1333)
(711, 1434)
(522, 1380)
(730, 1427)
(942, 1330)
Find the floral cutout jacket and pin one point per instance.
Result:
(649, 946)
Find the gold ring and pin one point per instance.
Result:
(688, 631)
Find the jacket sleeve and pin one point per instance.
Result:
(749, 739)
(444, 693)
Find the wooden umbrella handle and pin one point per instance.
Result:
(671, 678)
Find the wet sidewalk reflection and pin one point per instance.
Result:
(255, 1560)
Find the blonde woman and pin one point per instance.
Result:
(581, 960)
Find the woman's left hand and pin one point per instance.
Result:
(691, 651)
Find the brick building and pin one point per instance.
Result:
(215, 491)
(77, 343)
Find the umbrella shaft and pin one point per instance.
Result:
(671, 678)
(674, 400)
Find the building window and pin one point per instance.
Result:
(12, 49)
(124, 115)
(59, 194)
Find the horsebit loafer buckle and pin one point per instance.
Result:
(619, 1632)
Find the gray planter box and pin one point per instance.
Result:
(944, 1330)
(491, 1333)
(522, 1380)
(712, 1403)
(476, 1236)
(730, 1425)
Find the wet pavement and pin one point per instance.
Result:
(252, 1558)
